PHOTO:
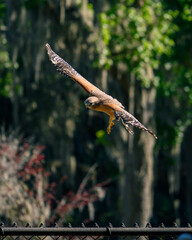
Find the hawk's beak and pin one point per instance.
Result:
(86, 104)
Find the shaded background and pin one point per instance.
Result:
(137, 51)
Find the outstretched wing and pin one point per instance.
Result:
(128, 119)
(64, 68)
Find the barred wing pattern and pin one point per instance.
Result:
(128, 119)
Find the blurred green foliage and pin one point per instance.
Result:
(5, 74)
(137, 35)
(101, 138)
(176, 75)
(34, 4)
(5, 61)
(2, 11)
(148, 34)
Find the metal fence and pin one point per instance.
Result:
(68, 233)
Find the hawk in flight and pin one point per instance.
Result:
(98, 100)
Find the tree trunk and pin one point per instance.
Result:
(138, 179)
(186, 180)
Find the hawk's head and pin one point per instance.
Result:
(91, 102)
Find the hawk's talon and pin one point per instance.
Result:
(111, 123)
(108, 130)
(117, 115)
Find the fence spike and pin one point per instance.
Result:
(148, 225)
(136, 225)
(175, 224)
(69, 225)
(110, 225)
(27, 225)
(14, 224)
(96, 225)
(41, 225)
(189, 225)
(55, 225)
(162, 225)
(123, 225)
(82, 225)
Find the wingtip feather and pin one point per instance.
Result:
(152, 134)
(47, 46)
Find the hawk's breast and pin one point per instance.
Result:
(102, 108)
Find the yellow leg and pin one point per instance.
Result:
(111, 123)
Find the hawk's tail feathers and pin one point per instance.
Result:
(62, 66)
(128, 119)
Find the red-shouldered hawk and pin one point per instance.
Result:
(98, 100)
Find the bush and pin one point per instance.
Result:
(27, 196)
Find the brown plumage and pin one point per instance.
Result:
(98, 100)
